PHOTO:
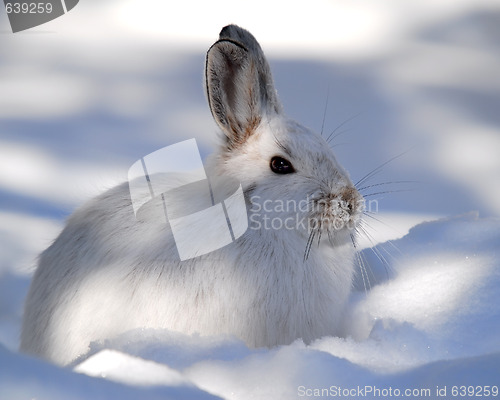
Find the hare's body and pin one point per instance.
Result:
(109, 272)
(111, 282)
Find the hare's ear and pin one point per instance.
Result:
(239, 85)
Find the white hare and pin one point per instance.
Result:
(287, 277)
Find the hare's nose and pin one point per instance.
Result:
(352, 199)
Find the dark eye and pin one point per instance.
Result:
(281, 166)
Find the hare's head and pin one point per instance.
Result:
(289, 174)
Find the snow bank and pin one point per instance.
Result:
(429, 327)
(22, 378)
(431, 323)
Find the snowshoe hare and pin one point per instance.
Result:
(286, 277)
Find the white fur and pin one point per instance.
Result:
(109, 272)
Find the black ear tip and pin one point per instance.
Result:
(228, 31)
(225, 31)
(238, 34)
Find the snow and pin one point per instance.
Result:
(431, 321)
(81, 101)
(120, 367)
(24, 378)
(433, 307)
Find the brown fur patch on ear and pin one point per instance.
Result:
(241, 134)
(239, 86)
(241, 130)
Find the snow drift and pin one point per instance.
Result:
(428, 327)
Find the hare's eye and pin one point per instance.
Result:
(281, 166)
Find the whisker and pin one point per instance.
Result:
(326, 109)
(369, 214)
(319, 236)
(309, 244)
(332, 135)
(322, 183)
(380, 167)
(388, 252)
(338, 134)
(386, 183)
(330, 238)
(388, 191)
(339, 144)
(362, 266)
(378, 251)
